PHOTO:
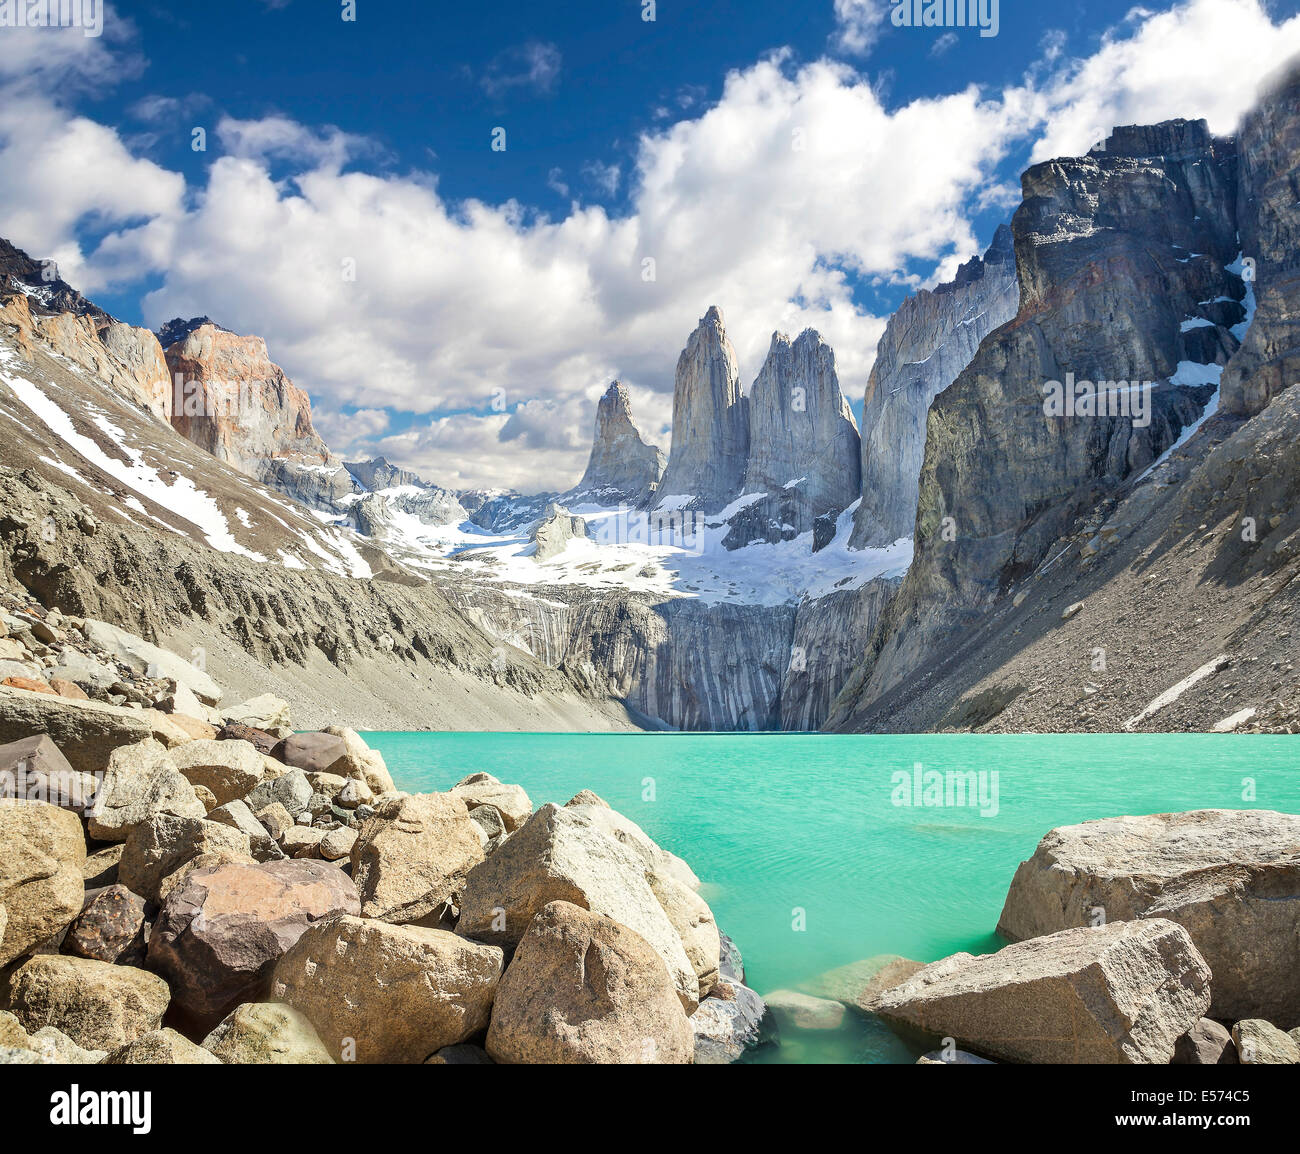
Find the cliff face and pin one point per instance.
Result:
(1122, 258)
(710, 422)
(1268, 193)
(802, 435)
(927, 343)
(239, 405)
(623, 467)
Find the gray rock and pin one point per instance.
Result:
(623, 468)
(730, 1022)
(1206, 1044)
(1260, 1043)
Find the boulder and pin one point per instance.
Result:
(362, 762)
(196, 730)
(141, 782)
(259, 739)
(276, 820)
(731, 966)
(162, 845)
(1206, 1044)
(510, 801)
(803, 1011)
(179, 702)
(267, 713)
(110, 928)
(582, 988)
(337, 844)
(383, 993)
(231, 770)
(267, 1034)
(563, 855)
(30, 685)
(69, 689)
(161, 1048)
(1260, 1043)
(56, 1046)
(100, 867)
(729, 1023)
(149, 659)
(303, 841)
(413, 855)
(12, 1033)
(86, 732)
(98, 1005)
(625, 831)
(690, 916)
(1122, 993)
(489, 820)
(34, 769)
(1231, 878)
(42, 851)
(291, 790)
(237, 815)
(221, 931)
(312, 752)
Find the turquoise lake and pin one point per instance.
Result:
(776, 824)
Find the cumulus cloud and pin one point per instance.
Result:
(859, 24)
(499, 327)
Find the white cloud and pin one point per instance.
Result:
(768, 203)
(535, 65)
(859, 24)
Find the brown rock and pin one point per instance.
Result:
(30, 684)
(69, 689)
(164, 843)
(197, 729)
(109, 929)
(311, 752)
(34, 769)
(399, 993)
(1206, 1044)
(583, 989)
(222, 930)
(259, 739)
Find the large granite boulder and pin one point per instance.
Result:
(1231, 878)
(221, 931)
(582, 988)
(510, 801)
(291, 790)
(361, 762)
(1123, 993)
(162, 845)
(42, 851)
(380, 993)
(163, 1047)
(1260, 1043)
(413, 855)
(562, 855)
(146, 658)
(98, 1005)
(86, 732)
(230, 770)
(730, 1022)
(141, 781)
(267, 1033)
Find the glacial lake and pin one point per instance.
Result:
(813, 850)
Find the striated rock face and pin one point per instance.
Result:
(1114, 252)
(710, 421)
(1267, 194)
(238, 405)
(377, 474)
(623, 467)
(803, 440)
(930, 339)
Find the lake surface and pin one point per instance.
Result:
(810, 853)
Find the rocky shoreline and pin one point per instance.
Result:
(187, 882)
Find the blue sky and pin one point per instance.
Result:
(498, 292)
